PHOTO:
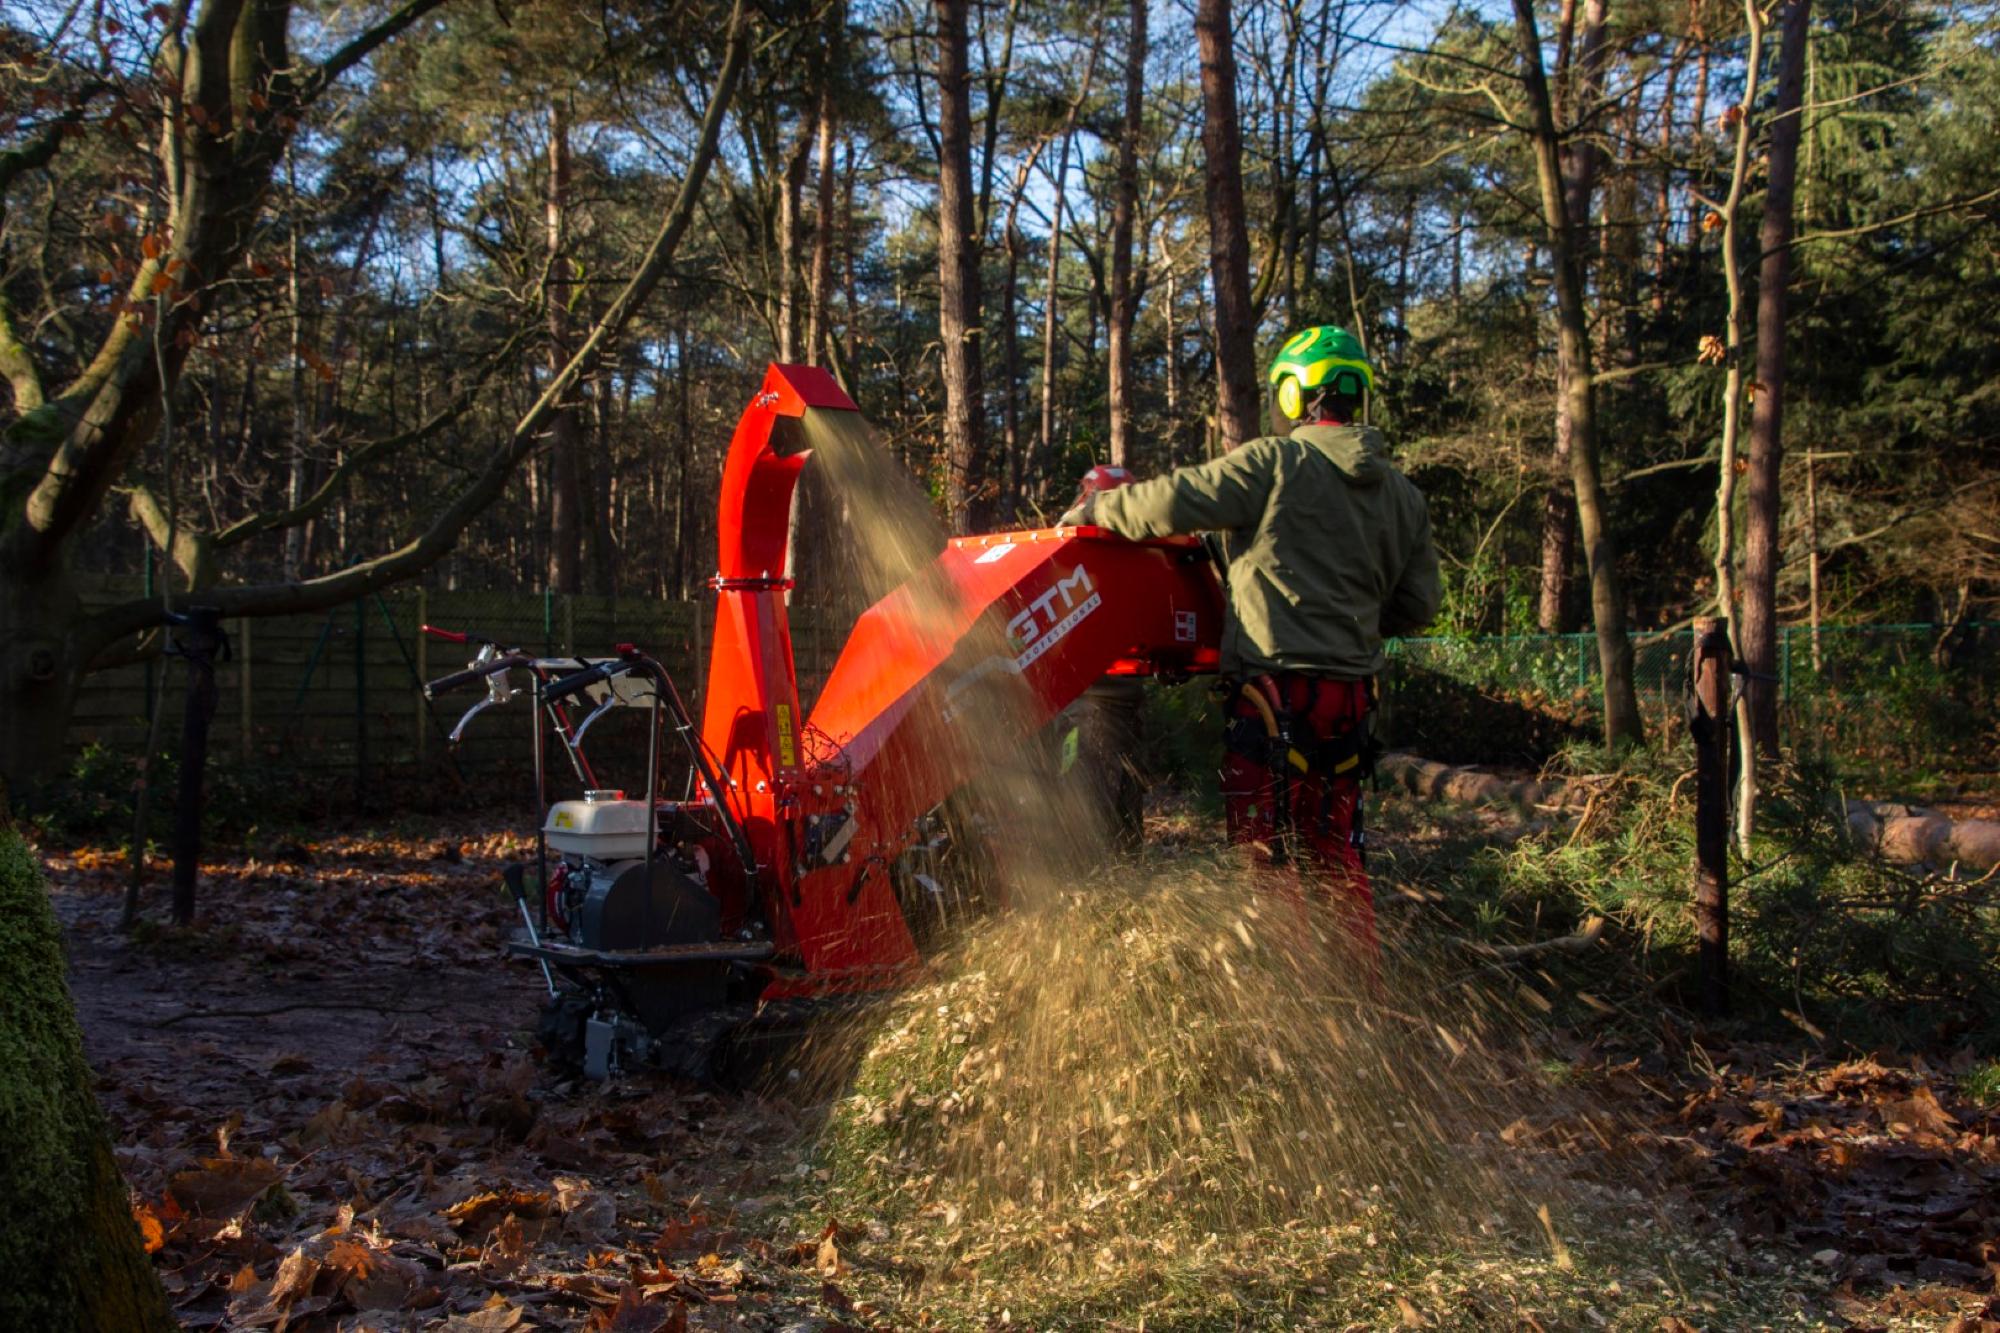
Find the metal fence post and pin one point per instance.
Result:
(423, 673)
(700, 691)
(247, 716)
(146, 591)
(361, 703)
(204, 643)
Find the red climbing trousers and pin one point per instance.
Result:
(1297, 748)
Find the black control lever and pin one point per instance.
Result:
(459, 680)
(584, 679)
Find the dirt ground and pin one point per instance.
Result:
(324, 1097)
(326, 1100)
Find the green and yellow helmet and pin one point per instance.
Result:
(1323, 356)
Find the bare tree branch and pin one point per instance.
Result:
(360, 48)
(106, 629)
(1903, 516)
(17, 362)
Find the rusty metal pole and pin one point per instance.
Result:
(1708, 724)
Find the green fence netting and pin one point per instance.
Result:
(334, 695)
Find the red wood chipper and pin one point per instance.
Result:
(793, 874)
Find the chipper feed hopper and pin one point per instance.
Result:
(787, 879)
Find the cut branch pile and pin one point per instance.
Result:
(1911, 834)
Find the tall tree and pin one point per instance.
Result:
(819, 327)
(791, 192)
(958, 276)
(566, 462)
(1761, 539)
(1125, 203)
(1052, 294)
(1012, 464)
(1575, 375)
(1228, 239)
(1577, 94)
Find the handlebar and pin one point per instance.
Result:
(631, 660)
(584, 679)
(459, 680)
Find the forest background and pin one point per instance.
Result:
(1675, 307)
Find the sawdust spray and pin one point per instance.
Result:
(1143, 1051)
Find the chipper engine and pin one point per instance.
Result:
(784, 881)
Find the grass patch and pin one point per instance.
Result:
(1827, 941)
(1981, 1084)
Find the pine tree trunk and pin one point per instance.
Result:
(820, 306)
(791, 192)
(1576, 401)
(958, 279)
(566, 492)
(1761, 546)
(1118, 391)
(295, 478)
(1663, 202)
(72, 1254)
(1010, 374)
(1579, 162)
(1228, 240)
(1698, 122)
(596, 475)
(1558, 536)
(1045, 444)
(851, 326)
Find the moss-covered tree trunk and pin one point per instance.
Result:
(68, 1245)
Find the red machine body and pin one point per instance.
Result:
(1001, 633)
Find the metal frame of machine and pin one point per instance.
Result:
(776, 882)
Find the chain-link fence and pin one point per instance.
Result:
(1909, 697)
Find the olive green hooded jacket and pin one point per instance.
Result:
(1328, 546)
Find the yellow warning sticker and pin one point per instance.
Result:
(788, 753)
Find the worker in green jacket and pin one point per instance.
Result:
(1328, 551)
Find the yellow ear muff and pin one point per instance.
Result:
(1291, 398)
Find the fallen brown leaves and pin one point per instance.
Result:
(1872, 1170)
(400, 1161)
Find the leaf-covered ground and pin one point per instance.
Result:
(328, 1105)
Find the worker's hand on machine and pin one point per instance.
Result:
(1077, 515)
